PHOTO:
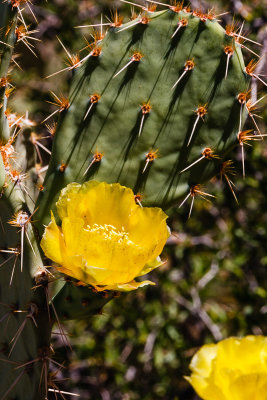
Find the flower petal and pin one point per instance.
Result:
(98, 203)
(125, 287)
(68, 200)
(52, 242)
(150, 266)
(148, 229)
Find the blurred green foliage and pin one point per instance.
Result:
(141, 346)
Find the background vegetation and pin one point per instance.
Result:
(214, 282)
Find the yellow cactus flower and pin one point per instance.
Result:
(105, 239)
(233, 369)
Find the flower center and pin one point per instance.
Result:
(109, 232)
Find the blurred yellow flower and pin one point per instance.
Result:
(233, 369)
(105, 239)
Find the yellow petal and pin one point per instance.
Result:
(125, 287)
(68, 200)
(150, 266)
(148, 229)
(206, 388)
(247, 387)
(52, 242)
(232, 350)
(97, 202)
(111, 257)
(202, 362)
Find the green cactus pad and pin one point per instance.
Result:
(112, 127)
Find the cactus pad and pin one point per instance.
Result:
(147, 101)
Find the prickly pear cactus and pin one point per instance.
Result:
(152, 97)
(156, 105)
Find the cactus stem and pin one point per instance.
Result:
(150, 156)
(136, 57)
